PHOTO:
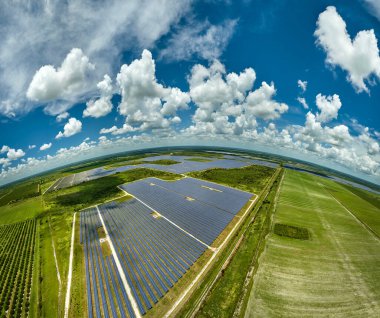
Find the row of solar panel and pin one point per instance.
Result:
(225, 198)
(102, 275)
(80, 177)
(153, 252)
(195, 214)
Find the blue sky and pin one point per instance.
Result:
(193, 73)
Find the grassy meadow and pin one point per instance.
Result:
(334, 273)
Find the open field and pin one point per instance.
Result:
(21, 211)
(16, 267)
(365, 211)
(333, 273)
(251, 178)
(19, 192)
(370, 197)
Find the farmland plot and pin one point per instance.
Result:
(335, 272)
(16, 267)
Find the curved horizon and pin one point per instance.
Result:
(301, 83)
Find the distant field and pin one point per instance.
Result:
(20, 211)
(333, 274)
(370, 197)
(164, 162)
(252, 178)
(19, 192)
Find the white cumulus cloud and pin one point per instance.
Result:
(103, 105)
(14, 154)
(260, 103)
(358, 57)
(145, 103)
(45, 146)
(69, 79)
(226, 102)
(72, 127)
(328, 106)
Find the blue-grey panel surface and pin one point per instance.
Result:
(203, 219)
(154, 253)
(225, 198)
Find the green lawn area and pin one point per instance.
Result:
(364, 210)
(370, 197)
(252, 178)
(21, 211)
(333, 274)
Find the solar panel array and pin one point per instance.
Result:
(154, 255)
(103, 282)
(201, 208)
(80, 177)
(228, 199)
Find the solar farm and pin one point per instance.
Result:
(188, 234)
(154, 239)
(184, 165)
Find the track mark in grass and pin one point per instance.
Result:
(299, 233)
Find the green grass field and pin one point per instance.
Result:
(21, 211)
(252, 178)
(333, 274)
